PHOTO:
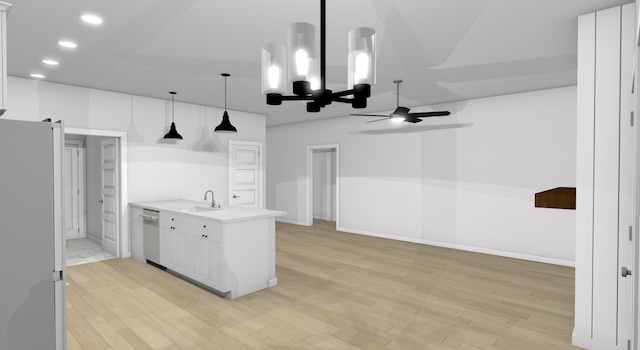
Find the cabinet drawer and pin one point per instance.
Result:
(206, 228)
(168, 219)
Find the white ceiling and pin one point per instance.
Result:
(443, 50)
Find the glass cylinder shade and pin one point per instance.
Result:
(362, 57)
(302, 50)
(274, 63)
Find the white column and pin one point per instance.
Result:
(604, 159)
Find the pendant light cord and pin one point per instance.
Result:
(225, 75)
(173, 111)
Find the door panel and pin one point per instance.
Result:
(110, 196)
(216, 263)
(245, 174)
(70, 200)
(199, 253)
(73, 189)
(182, 251)
(167, 247)
(245, 198)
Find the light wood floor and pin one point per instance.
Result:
(335, 291)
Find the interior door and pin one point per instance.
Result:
(73, 189)
(110, 195)
(245, 174)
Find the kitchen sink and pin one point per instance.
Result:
(195, 209)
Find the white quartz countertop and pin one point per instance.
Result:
(226, 214)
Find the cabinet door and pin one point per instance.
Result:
(167, 245)
(200, 252)
(216, 269)
(181, 248)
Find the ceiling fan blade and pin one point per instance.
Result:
(430, 114)
(413, 119)
(377, 120)
(371, 115)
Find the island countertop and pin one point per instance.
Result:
(198, 209)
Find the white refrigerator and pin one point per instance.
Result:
(32, 266)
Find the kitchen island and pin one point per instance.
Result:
(230, 249)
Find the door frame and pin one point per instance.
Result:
(123, 245)
(310, 150)
(82, 173)
(261, 172)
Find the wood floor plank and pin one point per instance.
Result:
(335, 291)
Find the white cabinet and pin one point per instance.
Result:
(208, 255)
(194, 248)
(604, 178)
(232, 250)
(174, 242)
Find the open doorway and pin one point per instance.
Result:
(323, 185)
(101, 193)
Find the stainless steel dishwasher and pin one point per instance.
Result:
(151, 237)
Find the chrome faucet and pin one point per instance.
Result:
(213, 201)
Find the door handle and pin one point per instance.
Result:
(234, 196)
(625, 272)
(101, 201)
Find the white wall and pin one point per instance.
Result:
(157, 169)
(464, 181)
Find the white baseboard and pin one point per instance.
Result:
(94, 239)
(528, 257)
(293, 222)
(273, 282)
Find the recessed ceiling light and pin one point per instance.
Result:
(50, 62)
(91, 19)
(68, 44)
(35, 75)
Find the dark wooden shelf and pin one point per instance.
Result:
(559, 198)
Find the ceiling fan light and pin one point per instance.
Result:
(362, 57)
(301, 40)
(274, 64)
(397, 118)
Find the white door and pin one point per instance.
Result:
(110, 195)
(74, 189)
(245, 174)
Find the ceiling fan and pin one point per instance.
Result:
(402, 113)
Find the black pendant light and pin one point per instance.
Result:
(225, 126)
(173, 133)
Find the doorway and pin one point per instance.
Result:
(323, 187)
(104, 196)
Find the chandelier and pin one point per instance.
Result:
(307, 73)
